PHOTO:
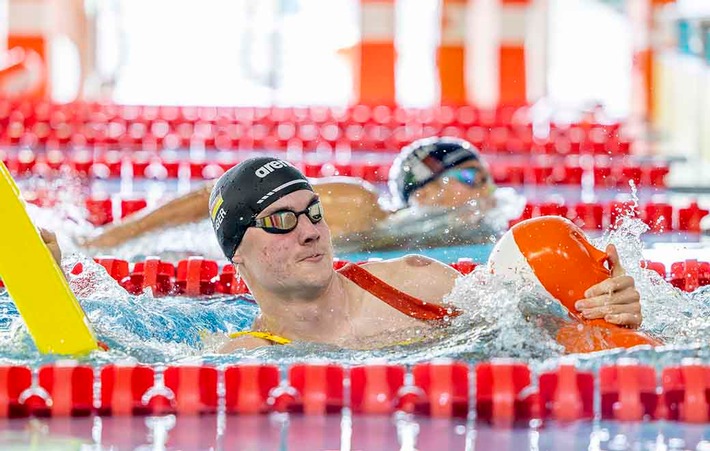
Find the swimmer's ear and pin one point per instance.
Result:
(237, 259)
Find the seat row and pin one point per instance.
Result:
(500, 392)
(377, 128)
(537, 170)
(310, 137)
(32, 112)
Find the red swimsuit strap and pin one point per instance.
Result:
(409, 305)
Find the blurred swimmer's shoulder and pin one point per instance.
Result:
(352, 189)
(350, 205)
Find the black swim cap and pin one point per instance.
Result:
(423, 161)
(246, 190)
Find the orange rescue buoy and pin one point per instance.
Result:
(555, 253)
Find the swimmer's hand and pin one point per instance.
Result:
(245, 342)
(50, 239)
(616, 299)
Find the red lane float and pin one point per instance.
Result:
(505, 391)
(14, 381)
(686, 392)
(500, 393)
(375, 388)
(445, 388)
(628, 391)
(64, 389)
(197, 276)
(566, 394)
(690, 274)
(194, 388)
(248, 388)
(319, 389)
(354, 159)
(122, 389)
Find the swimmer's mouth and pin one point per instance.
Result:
(312, 258)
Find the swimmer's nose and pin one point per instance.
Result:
(307, 231)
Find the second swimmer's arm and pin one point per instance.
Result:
(188, 208)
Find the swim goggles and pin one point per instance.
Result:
(284, 221)
(467, 176)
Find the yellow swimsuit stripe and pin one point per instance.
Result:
(263, 335)
(284, 341)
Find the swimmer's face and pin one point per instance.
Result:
(293, 263)
(469, 181)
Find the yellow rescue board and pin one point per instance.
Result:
(36, 283)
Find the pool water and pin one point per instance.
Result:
(502, 320)
(497, 322)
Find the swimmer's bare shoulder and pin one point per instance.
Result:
(417, 275)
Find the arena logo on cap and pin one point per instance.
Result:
(270, 167)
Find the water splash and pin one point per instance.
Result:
(677, 317)
(147, 328)
(419, 228)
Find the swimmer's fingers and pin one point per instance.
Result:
(50, 239)
(632, 320)
(611, 285)
(614, 261)
(47, 236)
(624, 304)
(626, 295)
(616, 299)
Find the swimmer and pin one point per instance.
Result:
(269, 222)
(428, 181)
(442, 195)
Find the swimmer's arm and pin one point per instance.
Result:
(615, 299)
(188, 208)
